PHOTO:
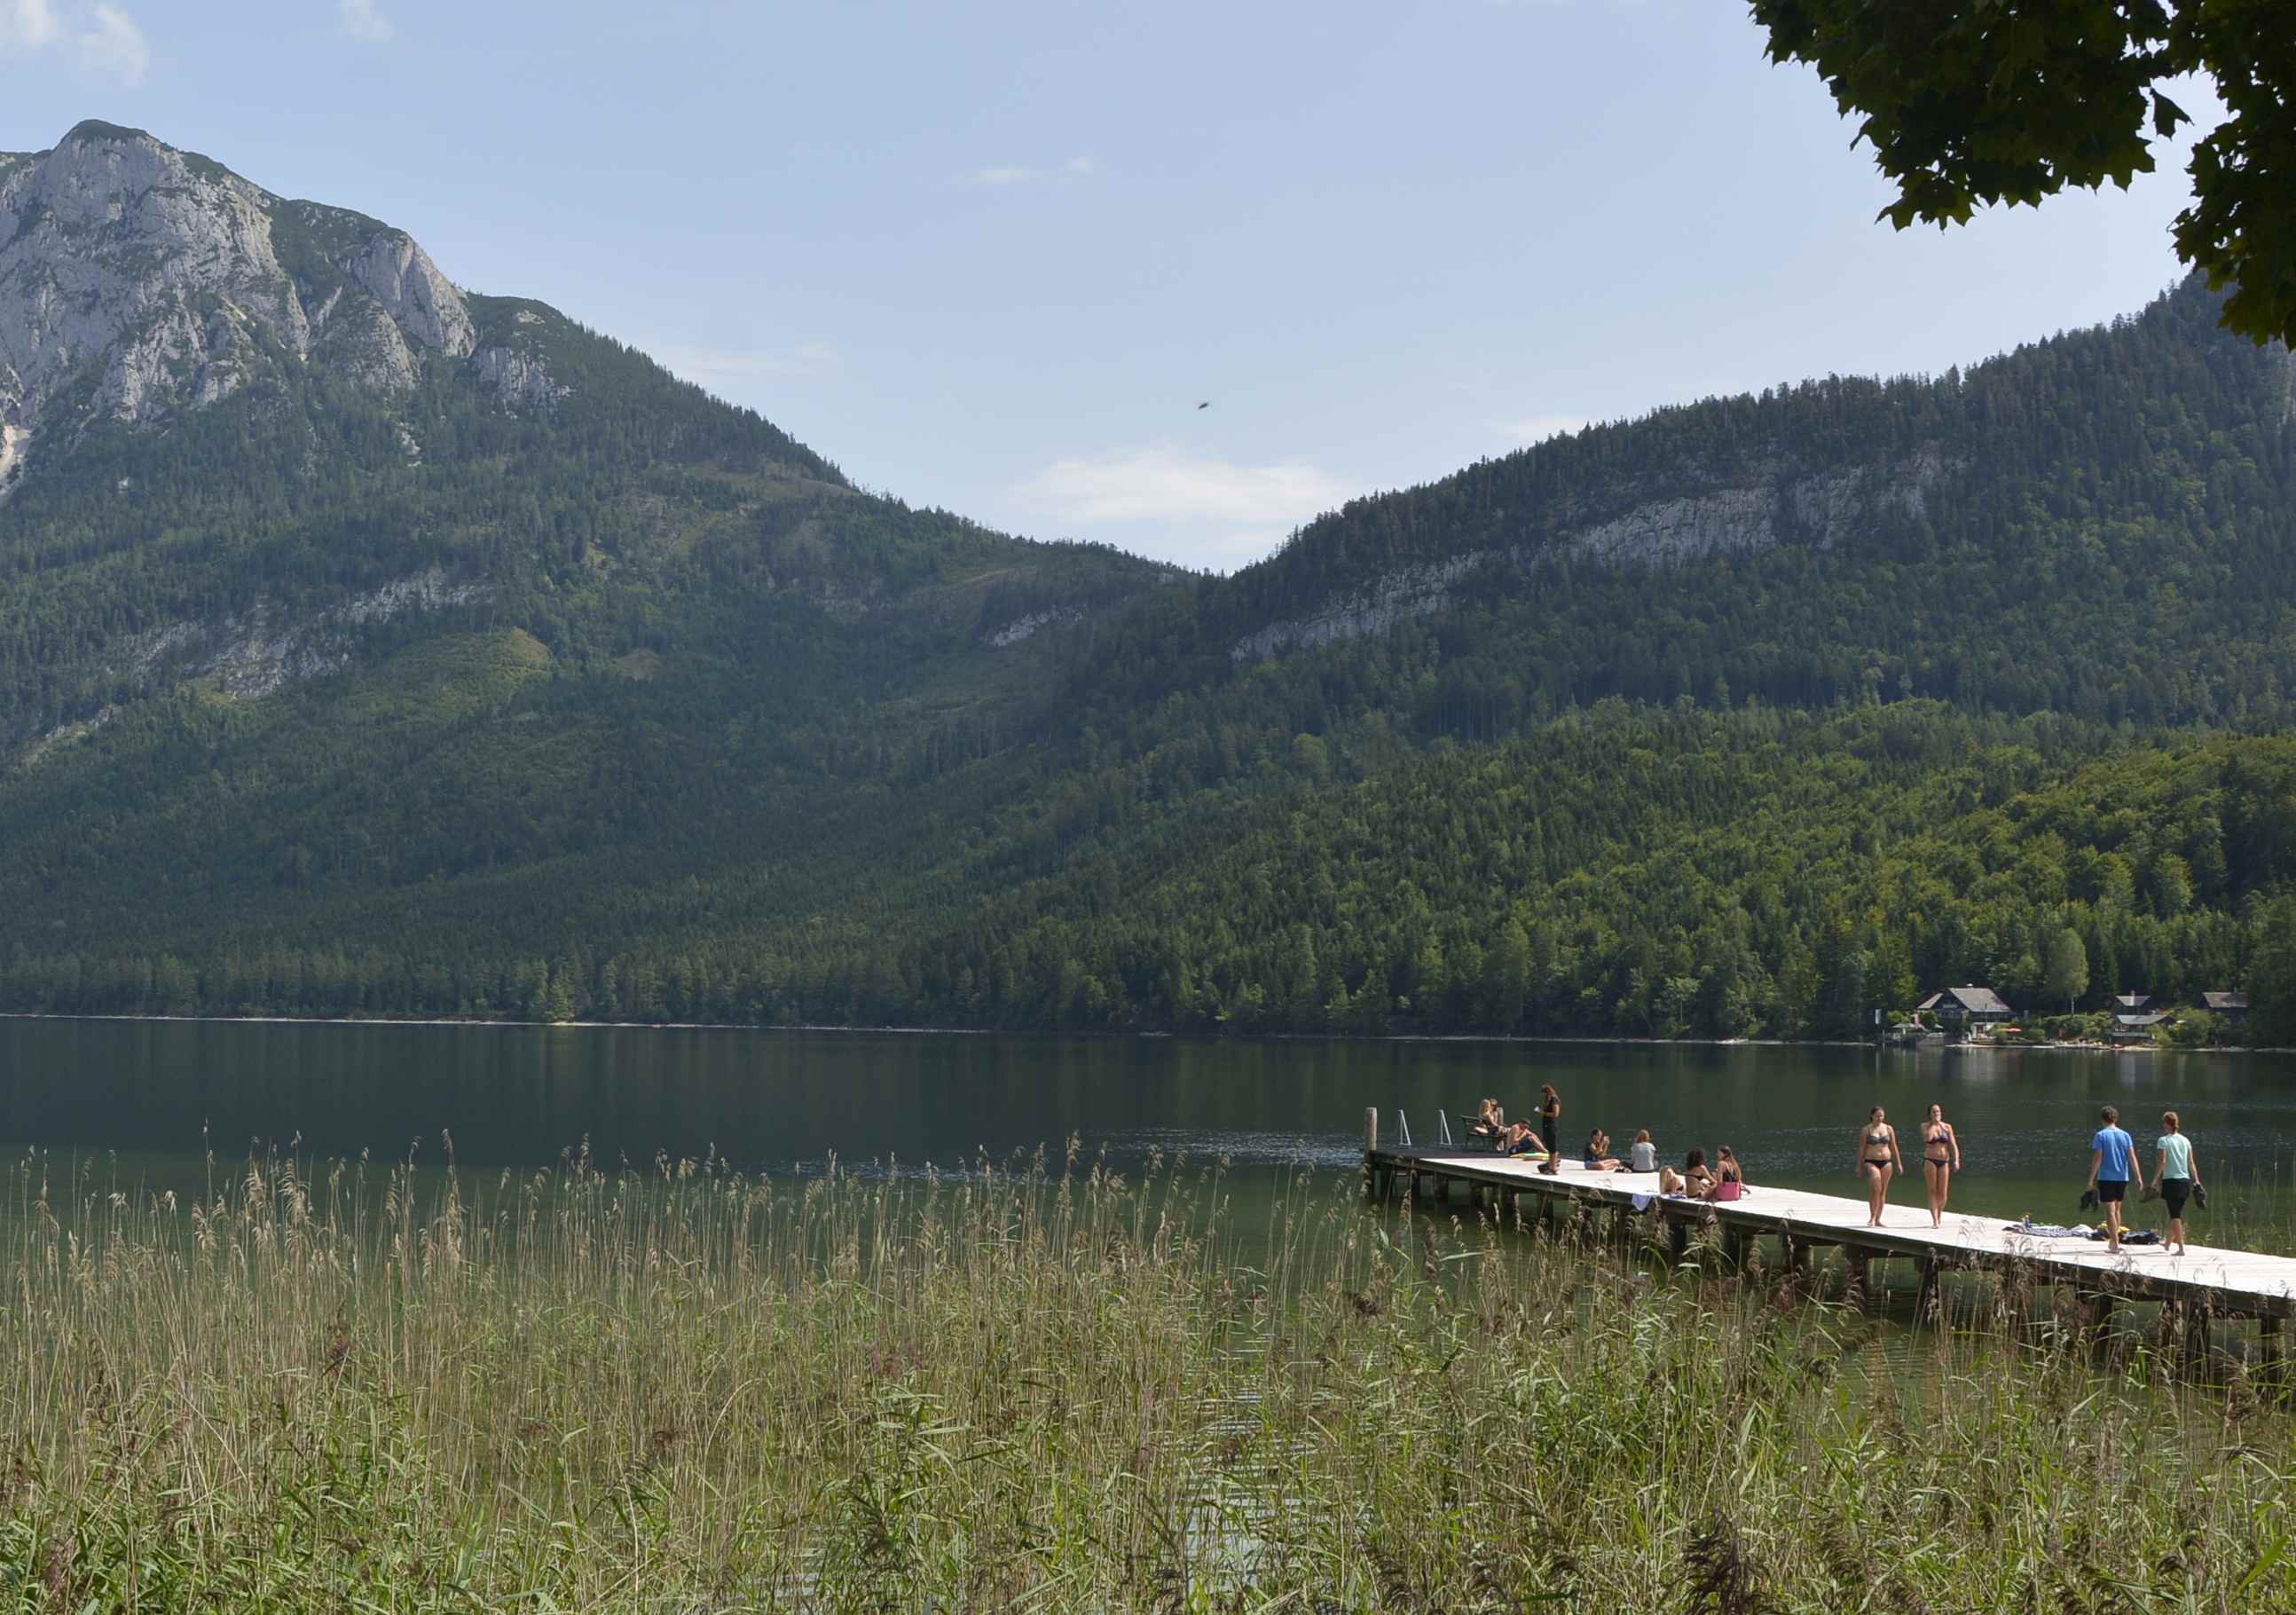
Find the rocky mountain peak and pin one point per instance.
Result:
(139, 281)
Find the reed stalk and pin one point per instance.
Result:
(1036, 1384)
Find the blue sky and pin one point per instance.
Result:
(992, 257)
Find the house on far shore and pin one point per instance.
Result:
(2138, 1028)
(2230, 1008)
(1968, 1006)
(2132, 1004)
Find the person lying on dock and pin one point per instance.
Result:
(1599, 1157)
(1670, 1181)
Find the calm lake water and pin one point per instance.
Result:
(145, 1100)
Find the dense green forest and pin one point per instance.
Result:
(1626, 871)
(684, 727)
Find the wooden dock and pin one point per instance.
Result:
(2201, 1284)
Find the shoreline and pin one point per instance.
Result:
(969, 1032)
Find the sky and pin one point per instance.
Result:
(993, 257)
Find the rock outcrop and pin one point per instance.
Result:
(1819, 509)
(521, 377)
(138, 281)
(1414, 591)
(249, 655)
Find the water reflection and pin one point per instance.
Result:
(158, 1092)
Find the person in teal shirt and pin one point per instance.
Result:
(2111, 1167)
(2174, 1171)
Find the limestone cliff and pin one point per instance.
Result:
(1739, 516)
(138, 281)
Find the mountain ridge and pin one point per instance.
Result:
(371, 646)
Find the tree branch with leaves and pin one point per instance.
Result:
(1970, 102)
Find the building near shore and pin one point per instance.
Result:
(1968, 1006)
(2230, 1008)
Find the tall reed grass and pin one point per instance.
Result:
(1043, 1386)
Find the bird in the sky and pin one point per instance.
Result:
(1206, 404)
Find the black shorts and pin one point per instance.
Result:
(2112, 1188)
(2175, 1190)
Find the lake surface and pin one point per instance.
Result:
(144, 1101)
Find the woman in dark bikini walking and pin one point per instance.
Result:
(1940, 1159)
(1878, 1161)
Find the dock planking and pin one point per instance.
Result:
(2206, 1280)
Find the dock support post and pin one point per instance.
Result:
(1859, 1287)
(1926, 1303)
(1371, 1150)
(2270, 1364)
(1678, 1239)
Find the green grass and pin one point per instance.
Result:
(1030, 1387)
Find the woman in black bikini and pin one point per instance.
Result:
(1697, 1181)
(1940, 1159)
(1550, 1116)
(1879, 1160)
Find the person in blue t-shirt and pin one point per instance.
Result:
(2112, 1167)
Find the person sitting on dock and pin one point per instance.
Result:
(1599, 1157)
(1490, 1123)
(1729, 1180)
(2112, 1168)
(1508, 1138)
(1697, 1181)
(1643, 1155)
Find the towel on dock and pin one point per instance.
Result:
(2053, 1230)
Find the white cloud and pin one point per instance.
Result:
(714, 367)
(1020, 174)
(1528, 429)
(31, 23)
(1226, 513)
(116, 45)
(361, 22)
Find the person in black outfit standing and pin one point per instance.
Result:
(1550, 1128)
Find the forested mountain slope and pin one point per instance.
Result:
(370, 646)
(2102, 524)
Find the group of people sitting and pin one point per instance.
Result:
(1723, 1181)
